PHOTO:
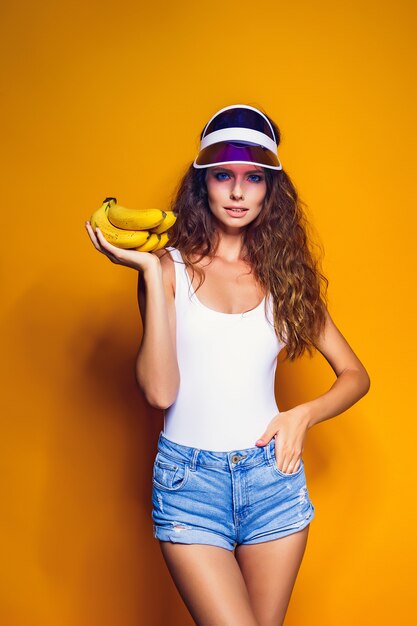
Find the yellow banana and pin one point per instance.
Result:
(163, 241)
(166, 223)
(116, 236)
(150, 243)
(134, 219)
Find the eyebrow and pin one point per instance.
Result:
(246, 172)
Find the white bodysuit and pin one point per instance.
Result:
(227, 364)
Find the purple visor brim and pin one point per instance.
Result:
(232, 152)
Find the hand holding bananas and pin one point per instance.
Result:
(133, 229)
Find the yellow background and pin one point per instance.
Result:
(108, 99)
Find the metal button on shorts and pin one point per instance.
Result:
(236, 458)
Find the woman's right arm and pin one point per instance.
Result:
(157, 369)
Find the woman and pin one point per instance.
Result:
(231, 508)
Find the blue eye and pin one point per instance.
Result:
(251, 176)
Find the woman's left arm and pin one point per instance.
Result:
(289, 428)
(352, 381)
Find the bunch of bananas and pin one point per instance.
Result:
(135, 229)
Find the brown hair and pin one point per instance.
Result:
(277, 244)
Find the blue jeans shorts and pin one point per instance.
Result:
(225, 498)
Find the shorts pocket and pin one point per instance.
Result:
(285, 474)
(168, 473)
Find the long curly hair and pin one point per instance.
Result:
(278, 245)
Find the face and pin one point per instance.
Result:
(235, 185)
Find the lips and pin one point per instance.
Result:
(237, 208)
(236, 213)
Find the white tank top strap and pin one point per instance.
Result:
(182, 281)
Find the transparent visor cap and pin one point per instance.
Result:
(238, 134)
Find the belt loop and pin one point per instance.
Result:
(267, 451)
(193, 461)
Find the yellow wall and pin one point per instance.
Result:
(108, 99)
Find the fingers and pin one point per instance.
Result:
(265, 437)
(92, 235)
(287, 464)
(129, 257)
(100, 242)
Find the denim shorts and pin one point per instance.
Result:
(225, 498)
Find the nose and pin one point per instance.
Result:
(236, 191)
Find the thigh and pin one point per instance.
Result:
(210, 582)
(270, 569)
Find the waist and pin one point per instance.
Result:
(221, 424)
(247, 457)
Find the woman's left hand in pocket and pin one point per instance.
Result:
(289, 429)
